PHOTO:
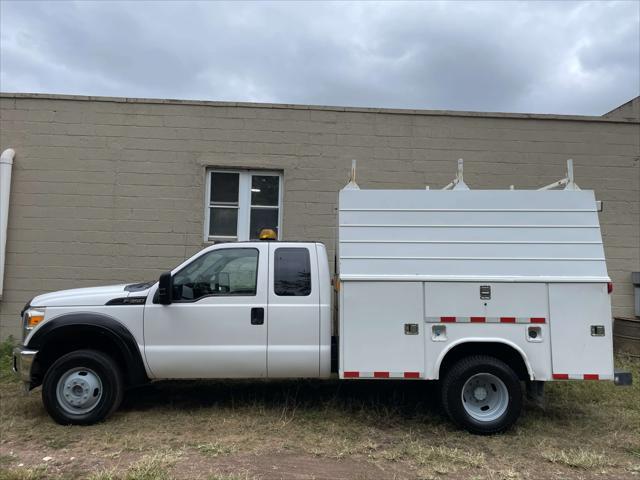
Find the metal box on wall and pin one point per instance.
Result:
(635, 279)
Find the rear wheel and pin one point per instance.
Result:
(82, 387)
(482, 394)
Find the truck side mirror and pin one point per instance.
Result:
(165, 288)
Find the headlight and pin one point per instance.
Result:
(31, 318)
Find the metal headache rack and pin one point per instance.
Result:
(457, 183)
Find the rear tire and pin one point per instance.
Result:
(82, 388)
(482, 395)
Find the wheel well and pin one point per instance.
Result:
(84, 337)
(501, 351)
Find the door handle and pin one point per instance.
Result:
(257, 316)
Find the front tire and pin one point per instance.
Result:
(82, 387)
(482, 395)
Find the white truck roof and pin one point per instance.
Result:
(470, 235)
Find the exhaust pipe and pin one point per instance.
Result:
(6, 164)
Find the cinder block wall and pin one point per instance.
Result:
(111, 190)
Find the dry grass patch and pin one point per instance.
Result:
(37, 473)
(441, 459)
(149, 467)
(216, 449)
(431, 460)
(343, 448)
(507, 474)
(231, 476)
(576, 458)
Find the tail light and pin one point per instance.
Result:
(609, 287)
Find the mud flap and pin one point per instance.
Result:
(621, 378)
(535, 393)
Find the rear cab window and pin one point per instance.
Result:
(292, 272)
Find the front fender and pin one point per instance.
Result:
(85, 329)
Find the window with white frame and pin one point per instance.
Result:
(240, 203)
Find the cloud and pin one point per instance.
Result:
(565, 57)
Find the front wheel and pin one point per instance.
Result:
(482, 394)
(82, 388)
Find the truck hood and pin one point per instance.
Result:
(92, 296)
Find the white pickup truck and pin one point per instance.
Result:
(482, 290)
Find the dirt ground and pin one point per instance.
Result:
(232, 430)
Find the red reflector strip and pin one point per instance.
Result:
(380, 374)
(478, 319)
(591, 376)
(411, 374)
(351, 374)
(448, 319)
(507, 319)
(561, 376)
(537, 320)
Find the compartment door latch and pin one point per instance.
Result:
(411, 329)
(485, 292)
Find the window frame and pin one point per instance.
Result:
(243, 228)
(214, 295)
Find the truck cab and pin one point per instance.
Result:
(242, 310)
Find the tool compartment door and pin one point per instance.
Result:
(373, 338)
(502, 314)
(574, 309)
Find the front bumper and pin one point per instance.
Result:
(23, 359)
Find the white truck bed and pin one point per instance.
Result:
(421, 256)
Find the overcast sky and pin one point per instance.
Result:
(542, 57)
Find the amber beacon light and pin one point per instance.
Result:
(268, 234)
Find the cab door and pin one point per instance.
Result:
(216, 326)
(293, 347)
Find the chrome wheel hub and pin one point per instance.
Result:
(79, 390)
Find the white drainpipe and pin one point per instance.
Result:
(6, 164)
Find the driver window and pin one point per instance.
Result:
(228, 271)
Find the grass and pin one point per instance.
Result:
(576, 458)
(37, 473)
(230, 476)
(6, 349)
(240, 430)
(437, 460)
(216, 449)
(149, 467)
